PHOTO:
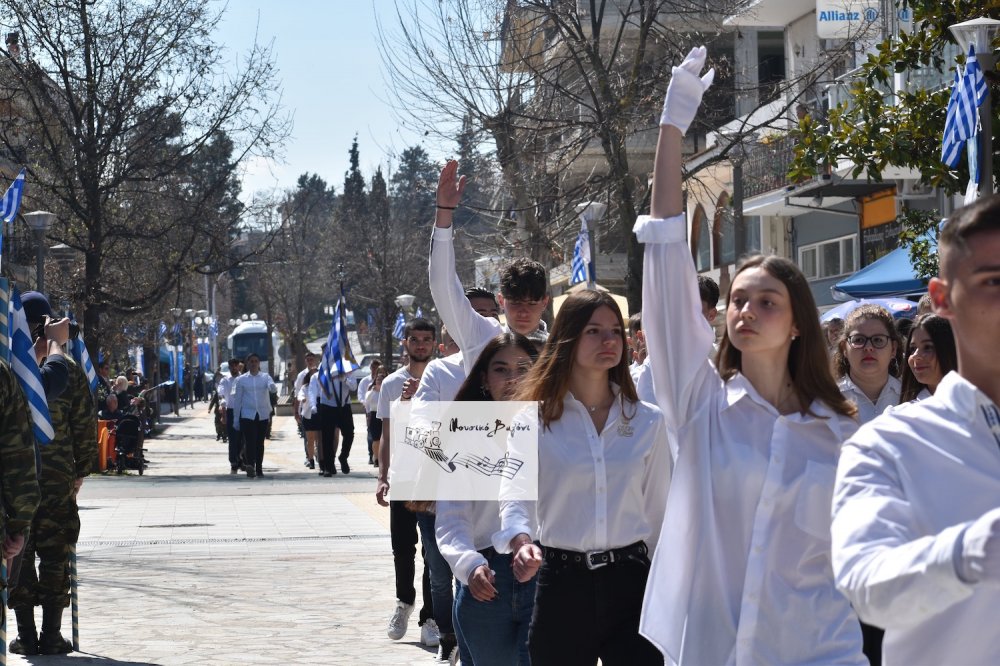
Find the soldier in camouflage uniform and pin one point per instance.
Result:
(17, 465)
(56, 526)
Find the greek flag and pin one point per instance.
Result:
(967, 94)
(397, 330)
(79, 352)
(162, 330)
(11, 203)
(213, 328)
(337, 357)
(4, 318)
(581, 256)
(25, 367)
(419, 313)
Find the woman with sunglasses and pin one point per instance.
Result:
(930, 355)
(492, 610)
(867, 361)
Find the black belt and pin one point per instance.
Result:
(595, 559)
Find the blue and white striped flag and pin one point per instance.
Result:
(78, 350)
(25, 366)
(419, 313)
(397, 330)
(967, 94)
(337, 357)
(11, 203)
(581, 255)
(161, 331)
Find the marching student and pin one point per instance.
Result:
(930, 355)
(867, 361)
(916, 511)
(252, 412)
(742, 572)
(603, 472)
(492, 609)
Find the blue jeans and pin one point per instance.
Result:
(440, 574)
(496, 632)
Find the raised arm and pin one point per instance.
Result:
(678, 337)
(468, 328)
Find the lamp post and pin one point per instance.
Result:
(980, 32)
(40, 221)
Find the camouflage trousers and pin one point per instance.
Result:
(54, 531)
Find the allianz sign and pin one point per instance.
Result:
(843, 19)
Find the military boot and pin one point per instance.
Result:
(51, 641)
(27, 636)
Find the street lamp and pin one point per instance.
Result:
(40, 221)
(405, 301)
(980, 33)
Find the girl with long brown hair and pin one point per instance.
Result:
(492, 610)
(603, 471)
(930, 355)
(743, 571)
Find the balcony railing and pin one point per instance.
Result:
(766, 166)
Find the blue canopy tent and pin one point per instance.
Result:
(891, 275)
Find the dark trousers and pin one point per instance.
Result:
(583, 615)
(253, 431)
(403, 535)
(330, 419)
(235, 440)
(442, 590)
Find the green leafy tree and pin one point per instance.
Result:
(876, 129)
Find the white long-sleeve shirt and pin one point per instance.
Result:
(867, 410)
(742, 574)
(469, 329)
(340, 391)
(251, 396)
(441, 379)
(908, 484)
(363, 386)
(462, 529)
(596, 490)
(225, 389)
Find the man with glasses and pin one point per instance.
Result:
(523, 283)
(916, 506)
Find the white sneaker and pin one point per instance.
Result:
(400, 618)
(429, 634)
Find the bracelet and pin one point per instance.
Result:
(447, 207)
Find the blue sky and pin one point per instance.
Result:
(329, 65)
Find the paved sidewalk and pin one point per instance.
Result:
(190, 565)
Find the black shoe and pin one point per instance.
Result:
(326, 474)
(344, 467)
(312, 464)
(53, 644)
(28, 646)
(251, 474)
(260, 472)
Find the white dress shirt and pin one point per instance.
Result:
(224, 389)
(469, 329)
(596, 490)
(371, 400)
(743, 572)
(340, 391)
(306, 399)
(867, 410)
(462, 530)
(441, 379)
(363, 387)
(908, 484)
(392, 390)
(251, 396)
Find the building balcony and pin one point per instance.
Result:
(769, 13)
(766, 166)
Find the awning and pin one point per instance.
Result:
(892, 275)
(899, 308)
(559, 300)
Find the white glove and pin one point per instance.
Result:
(980, 552)
(685, 90)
